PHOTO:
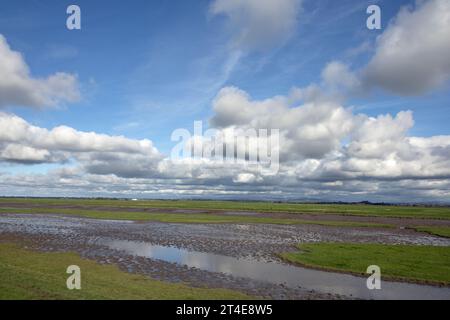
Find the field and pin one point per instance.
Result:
(318, 209)
(221, 250)
(182, 218)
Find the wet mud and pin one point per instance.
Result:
(236, 256)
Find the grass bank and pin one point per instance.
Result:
(428, 264)
(28, 275)
(437, 231)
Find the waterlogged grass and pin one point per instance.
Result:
(344, 209)
(28, 275)
(186, 218)
(429, 264)
(437, 231)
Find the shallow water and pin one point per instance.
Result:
(290, 276)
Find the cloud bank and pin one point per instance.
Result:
(21, 142)
(326, 151)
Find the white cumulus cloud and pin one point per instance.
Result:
(413, 54)
(23, 142)
(19, 88)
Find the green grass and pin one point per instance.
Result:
(428, 264)
(344, 209)
(186, 218)
(437, 231)
(28, 275)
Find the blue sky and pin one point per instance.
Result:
(145, 68)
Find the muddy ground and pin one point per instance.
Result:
(256, 242)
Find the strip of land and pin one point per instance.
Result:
(436, 231)
(29, 275)
(423, 264)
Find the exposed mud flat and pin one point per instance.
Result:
(235, 256)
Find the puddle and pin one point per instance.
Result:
(290, 276)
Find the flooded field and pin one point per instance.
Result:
(235, 256)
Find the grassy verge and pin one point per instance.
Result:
(437, 231)
(344, 209)
(426, 264)
(31, 275)
(187, 218)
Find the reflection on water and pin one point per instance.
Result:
(291, 276)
